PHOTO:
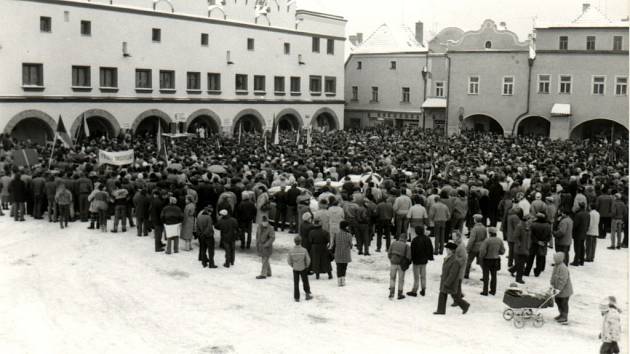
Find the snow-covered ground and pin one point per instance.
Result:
(79, 291)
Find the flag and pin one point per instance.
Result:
(297, 140)
(308, 137)
(265, 137)
(161, 145)
(86, 129)
(240, 132)
(62, 133)
(432, 172)
(276, 133)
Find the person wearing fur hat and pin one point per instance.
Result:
(561, 281)
(449, 282)
(229, 232)
(611, 326)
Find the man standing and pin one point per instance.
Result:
(384, 216)
(142, 203)
(299, 261)
(401, 207)
(205, 230)
(581, 221)
(592, 234)
(561, 281)
(563, 235)
(265, 236)
(477, 236)
(84, 188)
(541, 235)
(490, 253)
(120, 207)
(439, 214)
(619, 213)
(229, 228)
(449, 282)
(281, 209)
(17, 192)
(522, 243)
(292, 212)
(604, 205)
(38, 186)
(245, 215)
(155, 211)
(421, 254)
(399, 253)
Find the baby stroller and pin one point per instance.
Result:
(524, 306)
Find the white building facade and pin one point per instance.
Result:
(129, 64)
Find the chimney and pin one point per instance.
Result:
(359, 37)
(419, 32)
(585, 6)
(503, 25)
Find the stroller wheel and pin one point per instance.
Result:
(528, 313)
(539, 321)
(508, 314)
(519, 322)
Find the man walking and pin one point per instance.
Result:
(265, 236)
(299, 261)
(449, 282)
(205, 230)
(229, 228)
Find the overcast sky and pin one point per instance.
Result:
(365, 15)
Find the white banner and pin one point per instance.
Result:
(118, 158)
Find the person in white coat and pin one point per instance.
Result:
(611, 326)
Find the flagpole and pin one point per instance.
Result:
(53, 151)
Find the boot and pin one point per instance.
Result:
(343, 281)
(391, 293)
(91, 227)
(422, 292)
(339, 281)
(400, 295)
(412, 293)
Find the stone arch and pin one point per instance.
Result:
(36, 118)
(532, 125)
(205, 117)
(213, 8)
(599, 127)
(291, 118)
(325, 117)
(165, 120)
(483, 123)
(254, 119)
(98, 118)
(168, 2)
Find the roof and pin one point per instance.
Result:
(589, 18)
(390, 39)
(434, 103)
(561, 109)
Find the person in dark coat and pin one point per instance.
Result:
(522, 242)
(245, 215)
(280, 219)
(38, 187)
(17, 192)
(172, 217)
(384, 216)
(490, 253)
(142, 204)
(84, 188)
(320, 256)
(541, 235)
(449, 282)
(421, 254)
(292, 212)
(205, 230)
(229, 232)
(581, 221)
(265, 236)
(342, 246)
(155, 211)
(305, 230)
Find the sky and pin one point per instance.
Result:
(519, 15)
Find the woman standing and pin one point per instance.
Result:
(335, 217)
(342, 246)
(320, 257)
(188, 224)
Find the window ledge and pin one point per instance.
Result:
(473, 94)
(214, 92)
(316, 93)
(108, 89)
(260, 93)
(372, 101)
(543, 93)
(354, 100)
(279, 93)
(405, 102)
(242, 92)
(168, 90)
(296, 94)
(193, 92)
(33, 88)
(330, 94)
(81, 88)
(144, 90)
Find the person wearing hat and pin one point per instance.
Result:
(229, 232)
(538, 205)
(563, 234)
(265, 236)
(592, 234)
(205, 232)
(611, 326)
(490, 252)
(478, 234)
(581, 220)
(172, 217)
(449, 282)
(561, 281)
(299, 260)
(619, 214)
(540, 236)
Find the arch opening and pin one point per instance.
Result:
(289, 122)
(598, 129)
(482, 123)
(533, 126)
(325, 121)
(33, 129)
(149, 125)
(203, 125)
(249, 123)
(99, 127)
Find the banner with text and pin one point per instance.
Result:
(118, 158)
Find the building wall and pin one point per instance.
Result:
(549, 38)
(180, 50)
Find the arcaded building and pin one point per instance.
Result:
(187, 64)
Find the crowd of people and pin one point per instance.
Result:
(461, 191)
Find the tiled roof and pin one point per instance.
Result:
(590, 17)
(390, 39)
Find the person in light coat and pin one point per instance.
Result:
(490, 253)
(299, 261)
(188, 224)
(563, 235)
(397, 251)
(335, 216)
(478, 234)
(342, 246)
(265, 236)
(611, 326)
(561, 282)
(592, 234)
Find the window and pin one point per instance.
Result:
(86, 28)
(80, 76)
(315, 85)
(621, 85)
(204, 39)
(295, 85)
(250, 44)
(287, 48)
(156, 35)
(32, 74)
(439, 88)
(278, 84)
(392, 65)
(359, 65)
(488, 45)
(374, 94)
(241, 82)
(330, 46)
(330, 85)
(355, 93)
(564, 43)
(599, 85)
(405, 94)
(259, 83)
(565, 84)
(473, 85)
(544, 81)
(315, 44)
(193, 81)
(508, 85)
(590, 42)
(214, 82)
(167, 80)
(45, 24)
(108, 77)
(143, 79)
(617, 42)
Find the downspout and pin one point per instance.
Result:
(448, 89)
(530, 63)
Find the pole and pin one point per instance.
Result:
(53, 151)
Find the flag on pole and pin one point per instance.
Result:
(240, 132)
(297, 140)
(265, 137)
(276, 133)
(62, 133)
(308, 137)
(86, 129)
(432, 172)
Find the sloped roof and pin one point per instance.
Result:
(590, 17)
(390, 39)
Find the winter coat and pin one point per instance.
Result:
(581, 222)
(564, 232)
(522, 239)
(245, 212)
(579, 199)
(84, 185)
(322, 215)
(604, 204)
(305, 231)
(155, 211)
(512, 222)
(228, 227)
(63, 197)
(265, 236)
(620, 210)
(298, 258)
(17, 190)
(593, 224)
(188, 223)
(462, 257)
(37, 186)
(449, 279)
(477, 235)
(335, 217)
(384, 211)
(263, 199)
(402, 204)
(320, 258)
(141, 204)
(460, 208)
(505, 205)
(491, 248)
(342, 244)
(611, 326)
(398, 250)
(204, 226)
(421, 250)
(560, 277)
(439, 212)
(541, 233)
(171, 215)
